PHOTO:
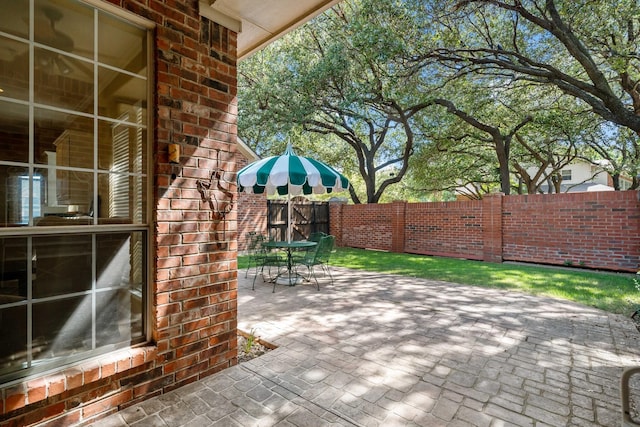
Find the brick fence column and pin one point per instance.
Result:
(335, 220)
(398, 221)
(492, 227)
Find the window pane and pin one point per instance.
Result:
(73, 202)
(122, 199)
(121, 96)
(120, 265)
(21, 193)
(113, 260)
(67, 135)
(119, 316)
(13, 330)
(62, 265)
(75, 191)
(63, 81)
(11, 199)
(32, 196)
(121, 148)
(14, 68)
(13, 270)
(65, 25)
(61, 327)
(12, 9)
(130, 53)
(65, 197)
(14, 132)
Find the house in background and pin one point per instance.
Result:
(581, 176)
(118, 263)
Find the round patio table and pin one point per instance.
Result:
(292, 277)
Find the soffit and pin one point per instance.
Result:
(260, 22)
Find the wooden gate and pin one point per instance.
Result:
(307, 217)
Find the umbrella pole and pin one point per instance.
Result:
(288, 217)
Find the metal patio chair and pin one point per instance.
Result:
(265, 259)
(319, 257)
(316, 236)
(253, 247)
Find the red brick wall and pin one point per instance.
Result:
(365, 226)
(492, 228)
(252, 214)
(444, 229)
(195, 317)
(599, 230)
(252, 217)
(335, 221)
(194, 282)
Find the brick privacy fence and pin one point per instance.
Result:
(598, 230)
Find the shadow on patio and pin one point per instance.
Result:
(382, 350)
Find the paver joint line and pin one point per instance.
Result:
(341, 416)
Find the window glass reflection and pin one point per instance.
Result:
(69, 136)
(62, 327)
(11, 195)
(62, 265)
(65, 197)
(121, 146)
(64, 318)
(120, 271)
(75, 193)
(13, 330)
(13, 270)
(130, 54)
(114, 260)
(14, 132)
(66, 296)
(63, 81)
(14, 68)
(119, 316)
(121, 96)
(122, 199)
(65, 26)
(14, 18)
(51, 196)
(119, 260)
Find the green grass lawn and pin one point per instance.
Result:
(615, 293)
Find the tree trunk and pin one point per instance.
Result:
(501, 145)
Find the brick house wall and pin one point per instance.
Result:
(252, 217)
(599, 230)
(193, 286)
(252, 208)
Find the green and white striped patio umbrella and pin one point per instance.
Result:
(291, 175)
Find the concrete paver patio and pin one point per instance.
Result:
(384, 350)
